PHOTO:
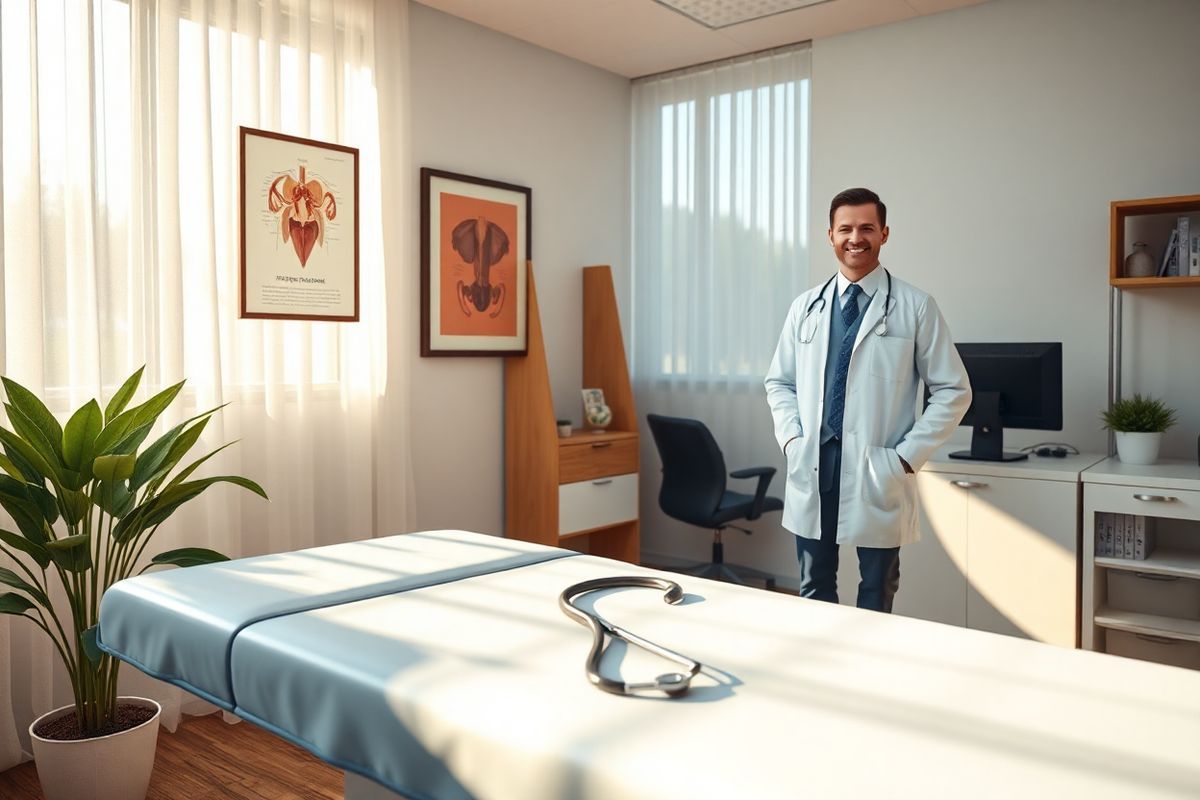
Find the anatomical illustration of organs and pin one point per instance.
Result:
(481, 243)
(303, 206)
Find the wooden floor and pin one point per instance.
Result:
(207, 759)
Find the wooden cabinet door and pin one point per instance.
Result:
(1021, 558)
(933, 584)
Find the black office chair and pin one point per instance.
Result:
(693, 491)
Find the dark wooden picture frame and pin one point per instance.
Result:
(476, 239)
(299, 217)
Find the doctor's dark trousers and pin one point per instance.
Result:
(878, 567)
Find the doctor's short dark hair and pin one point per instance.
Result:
(858, 197)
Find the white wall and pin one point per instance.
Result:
(488, 105)
(997, 135)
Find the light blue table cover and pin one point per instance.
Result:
(179, 625)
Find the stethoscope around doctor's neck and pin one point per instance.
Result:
(808, 332)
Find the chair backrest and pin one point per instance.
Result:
(693, 469)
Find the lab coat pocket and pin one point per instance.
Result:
(883, 479)
(891, 357)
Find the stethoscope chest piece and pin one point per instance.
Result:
(672, 684)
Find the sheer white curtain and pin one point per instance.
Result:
(119, 244)
(720, 220)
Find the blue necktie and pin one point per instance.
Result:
(849, 317)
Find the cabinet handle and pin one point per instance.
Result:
(601, 444)
(1156, 639)
(969, 484)
(1155, 498)
(1151, 576)
(602, 483)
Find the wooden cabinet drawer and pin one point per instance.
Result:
(1153, 502)
(582, 461)
(597, 503)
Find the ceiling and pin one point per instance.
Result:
(643, 37)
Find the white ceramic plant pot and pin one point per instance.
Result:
(1138, 448)
(113, 767)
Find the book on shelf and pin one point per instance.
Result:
(1110, 532)
(1169, 255)
(1143, 537)
(1183, 255)
(1098, 549)
(1194, 269)
(1128, 535)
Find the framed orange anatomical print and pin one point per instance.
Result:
(299, 228)
(475, 236)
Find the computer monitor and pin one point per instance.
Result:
(1015, 385)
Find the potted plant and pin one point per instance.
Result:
(1138, 423)
(87, 500)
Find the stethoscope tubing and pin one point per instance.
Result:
(880, 327)
(673, 684)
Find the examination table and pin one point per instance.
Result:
(438, 665)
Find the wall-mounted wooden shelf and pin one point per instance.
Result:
(1120, 211)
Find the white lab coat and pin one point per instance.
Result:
(878, 506)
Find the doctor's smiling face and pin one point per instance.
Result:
(857, 234)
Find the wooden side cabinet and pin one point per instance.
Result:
(578, 491)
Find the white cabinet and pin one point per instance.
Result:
(1147, 609)
(999, 547)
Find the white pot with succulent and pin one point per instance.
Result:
(1138, 423)
(86, 504)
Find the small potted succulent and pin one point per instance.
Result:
(86, 499)
(1138, 423)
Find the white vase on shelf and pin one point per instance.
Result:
(1138, 447)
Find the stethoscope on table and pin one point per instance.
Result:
(809, 332)
(674, 684)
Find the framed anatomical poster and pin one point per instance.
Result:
(299, 228)
(475, 236)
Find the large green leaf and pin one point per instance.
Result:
(73, 505)
(72, 553)
(45, 500)
(190, 468)
(114, 431)
(33, 409)
(9, 466)
(26, 470)
(49, 451)
(160, 507)
(15, 499)
(87, 638)
(132, 440)
(121, 399)
(7, 576)
(34, 550)
(189, 557)
(25, 450)
(114, 468)
(114, 498)
(150, 460)
(79, 437)
(13, 603)
(148, 412)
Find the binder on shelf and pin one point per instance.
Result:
(1098, 548)
(1194, 269)
(1183, 246)
(1128, 535)
(1144, 538)
(1168, 256)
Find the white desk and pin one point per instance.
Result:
(999, 547)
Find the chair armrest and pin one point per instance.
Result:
(764, 475)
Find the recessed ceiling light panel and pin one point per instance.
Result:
(723, 13)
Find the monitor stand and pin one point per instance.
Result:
(987, 439)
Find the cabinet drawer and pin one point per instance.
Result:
(582, 461)
(1183, 504)
(1173, 652)
(592, 504)
(1154, 594)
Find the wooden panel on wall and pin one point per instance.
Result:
(530, 439)
(604, 364)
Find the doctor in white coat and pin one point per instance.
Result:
(843, 392)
